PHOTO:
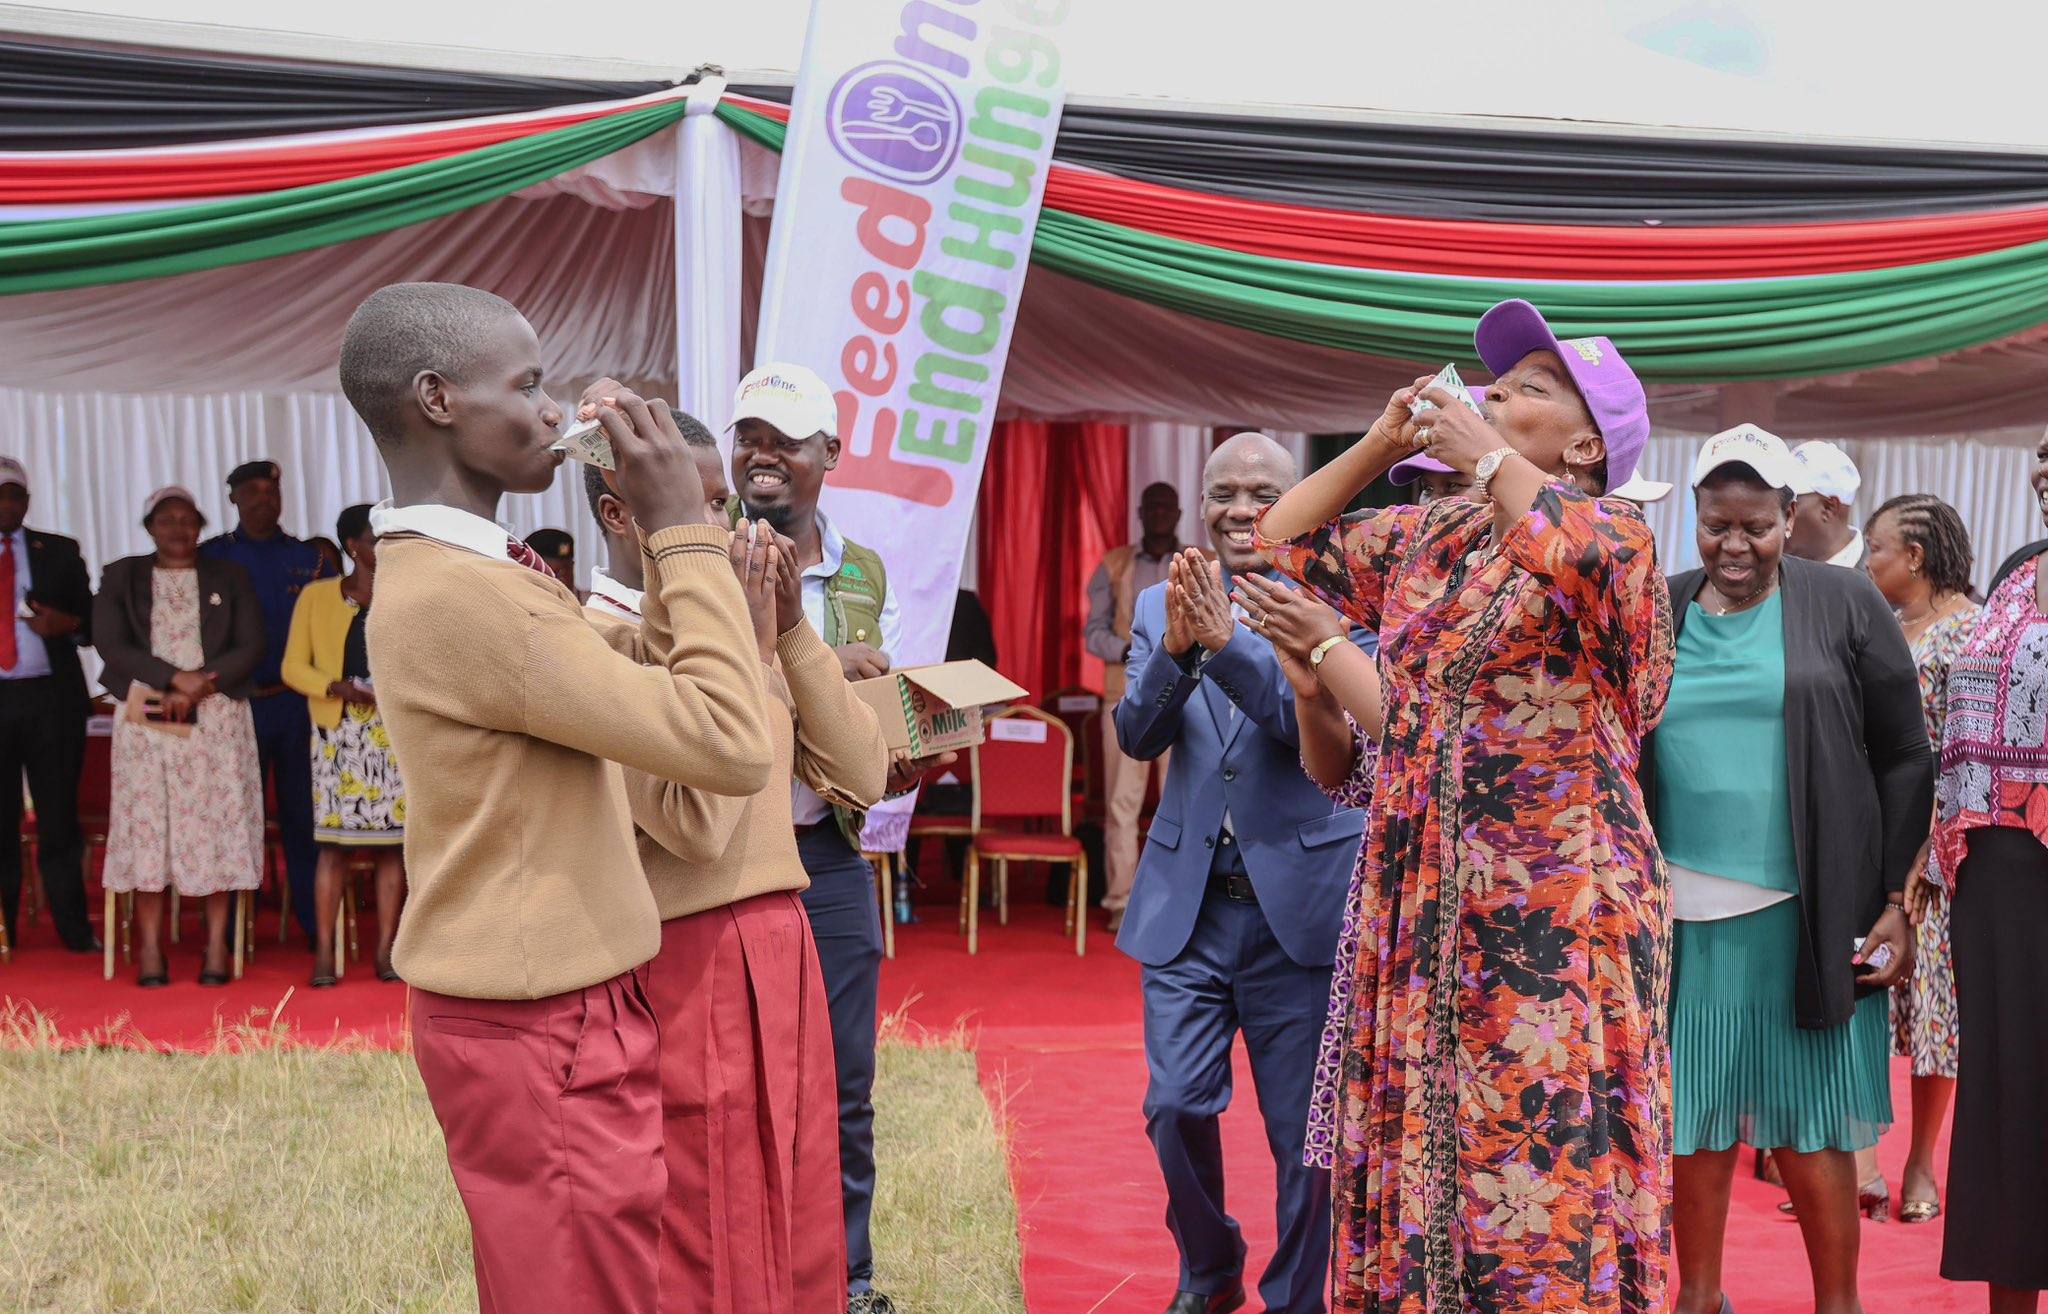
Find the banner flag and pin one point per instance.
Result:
(919, 139)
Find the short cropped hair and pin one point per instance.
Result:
(353, 522)
(694, 433)
(407, 328)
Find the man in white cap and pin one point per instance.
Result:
(43, 709)
(1824, 527)
(785, 426)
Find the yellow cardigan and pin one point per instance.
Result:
(312, 653)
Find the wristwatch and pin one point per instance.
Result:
(1486, 469)
(1322, 650)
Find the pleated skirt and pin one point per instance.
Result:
(1743, 1070)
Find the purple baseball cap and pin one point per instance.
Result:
(1612, 392)
(1422, 463)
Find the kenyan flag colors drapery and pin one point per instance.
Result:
(1754, 297)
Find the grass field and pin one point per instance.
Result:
(267, 1176)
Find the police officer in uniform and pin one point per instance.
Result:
(279, 566)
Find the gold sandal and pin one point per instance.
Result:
(1919, 1211)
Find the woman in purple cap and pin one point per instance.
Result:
(1503, 1135)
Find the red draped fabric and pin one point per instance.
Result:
(1054, 498)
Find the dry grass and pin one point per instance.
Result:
(273, 1176)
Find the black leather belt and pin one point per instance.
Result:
(804, 828)
(1230, 885)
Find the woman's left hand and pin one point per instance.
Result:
(1893, 929)
(1294, 620)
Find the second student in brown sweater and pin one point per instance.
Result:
(752, 1219)
(531, 921)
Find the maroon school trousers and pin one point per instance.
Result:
(552, 1113)
(750, 1112)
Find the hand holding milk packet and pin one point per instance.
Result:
(1447, 379)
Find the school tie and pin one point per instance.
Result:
(9, 653)
(514, 549)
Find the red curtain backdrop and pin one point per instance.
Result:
(1054, 498)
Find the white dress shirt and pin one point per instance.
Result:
(31, 654)
(1851, 555)
(444, 524)
(613, 598)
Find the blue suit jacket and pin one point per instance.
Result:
(1298, 847)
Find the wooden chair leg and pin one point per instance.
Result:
(888, 905)
(110, 927)
(971, 901)
(1077, 898)
(1003, 891)
(241, 915)
(128, 927)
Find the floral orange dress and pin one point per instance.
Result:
(1503, 1135)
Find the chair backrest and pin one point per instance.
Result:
(1081, 710)
(1024, 770)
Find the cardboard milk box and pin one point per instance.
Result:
(935, 709)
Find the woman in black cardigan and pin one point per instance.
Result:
(187, 791)
(1791, 783)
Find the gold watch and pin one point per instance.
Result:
(1322, 650)
(1483, 472)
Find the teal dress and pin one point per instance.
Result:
(1741, 1067)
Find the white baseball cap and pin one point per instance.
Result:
(1642, 491)
(790, 397)
(1759, 449)
(1827, 470)
(170, 493)
(13, 472)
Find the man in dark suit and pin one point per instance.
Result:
(43, 709)
(1238, 899)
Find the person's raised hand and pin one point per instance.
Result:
(789, 586)
(1396, 424)
(1454, 433)
(1295, 621)
(1208, 607)
(905, 770)
(1178, 637)
(1894, 930)
(754, 560)
(656, 476)
(862, 661)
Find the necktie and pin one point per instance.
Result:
(9, 654)
(514, 549)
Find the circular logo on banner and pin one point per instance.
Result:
(896, 121)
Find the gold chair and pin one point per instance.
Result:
(884, 864)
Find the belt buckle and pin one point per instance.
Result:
(1239, 888)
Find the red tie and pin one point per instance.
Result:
(514, 549)
(9, 654)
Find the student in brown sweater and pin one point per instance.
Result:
(531, 922)
(750, 1100)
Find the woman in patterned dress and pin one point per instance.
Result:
(187, 808)
(1990, 858)
(1920, 559)
(358, 798)
(1503, 1136)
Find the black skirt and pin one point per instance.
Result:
(1997, 1206)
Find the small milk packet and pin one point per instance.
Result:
(1447, 379)
(585, 441)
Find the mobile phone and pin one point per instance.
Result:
(1880, 957)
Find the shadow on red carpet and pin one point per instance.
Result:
(1060, 1055)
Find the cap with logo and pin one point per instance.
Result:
(1826, 469)
(1513, 329)
(170, 493)
(13, 472)
(1746, 444)
(552, 543)
(247, 470)
(793, 399)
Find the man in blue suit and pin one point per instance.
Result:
(1238, 901)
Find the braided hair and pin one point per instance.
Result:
(1945, 553)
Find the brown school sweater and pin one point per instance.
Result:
(510, 718)
(703, 850)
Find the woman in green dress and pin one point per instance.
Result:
(1791, 785)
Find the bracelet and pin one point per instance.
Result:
(1321, 650)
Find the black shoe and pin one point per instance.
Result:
(325, 980)
(153, 980)
(90, 945)
(1197, 1302)
(870, 1301)
(213, 978)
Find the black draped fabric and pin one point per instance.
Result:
(1535, 176)
(56, 96)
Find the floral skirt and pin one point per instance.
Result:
(1924, 1009)
(358, 798)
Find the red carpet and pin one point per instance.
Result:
(1058, 1039)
